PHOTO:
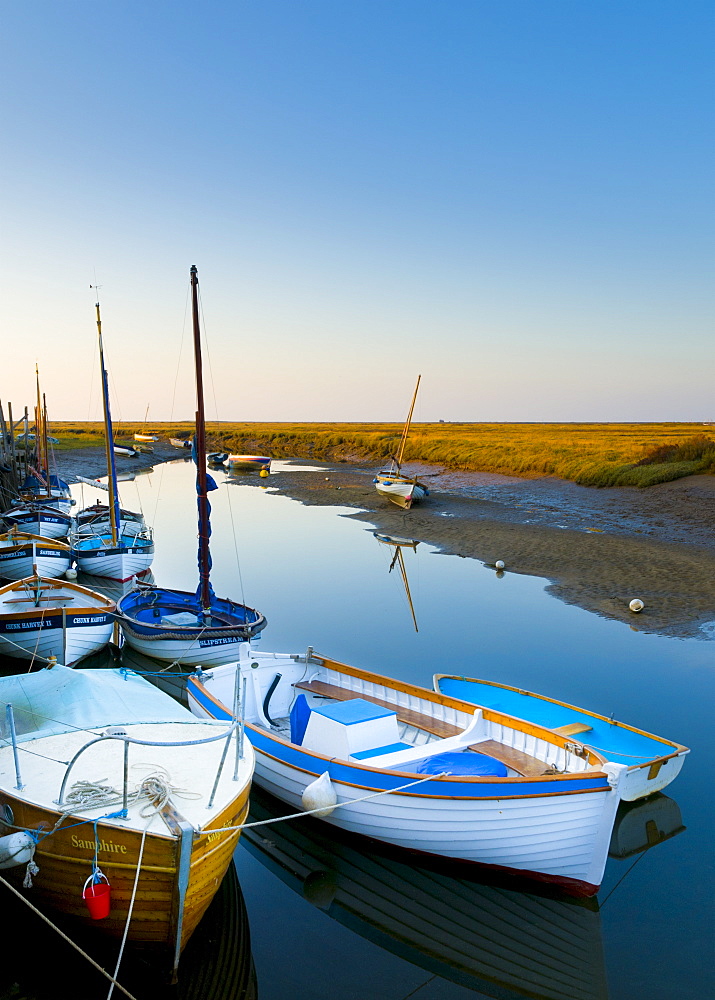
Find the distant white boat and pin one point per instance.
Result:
(392, 484)
(149, 438)
(248, 462)
(123, 450)
(101, 546)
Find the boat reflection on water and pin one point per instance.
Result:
(396, 545)
(488, 937)
(643, 824)
(501, 942)
(216, 963)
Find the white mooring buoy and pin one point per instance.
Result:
(499, 564)
(636, 605)
(70, 574)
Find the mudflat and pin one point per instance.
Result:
(597, 548)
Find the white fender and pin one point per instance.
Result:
(16, 849)
(320, 794)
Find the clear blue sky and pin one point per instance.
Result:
(513, 198)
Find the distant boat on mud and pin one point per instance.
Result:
(402, 490)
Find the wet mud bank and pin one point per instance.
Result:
(598, 549)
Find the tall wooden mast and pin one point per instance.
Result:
(114, 515)
(204, 508)
(406, 428)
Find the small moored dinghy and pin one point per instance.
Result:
(466, 784)
(392, 483)
(652, 761)
(23, 554)
(118, 782)
(40, 618)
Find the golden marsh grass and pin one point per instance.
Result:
(590, 454)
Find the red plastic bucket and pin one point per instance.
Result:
(97, 896)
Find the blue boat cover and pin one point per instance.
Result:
(461, 762)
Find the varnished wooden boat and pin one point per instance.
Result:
(87, 717)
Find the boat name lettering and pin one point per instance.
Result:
(31, 625)
(108, 846)
(95, 620)
(215, 642)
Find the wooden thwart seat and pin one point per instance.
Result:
(523, 763)
(573, 729)
(410, 718)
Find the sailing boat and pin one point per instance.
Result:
(39, 484)
(43, 507)
(105, 543)
(402, 490)
(173, 624)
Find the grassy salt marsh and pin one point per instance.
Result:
(588, 454)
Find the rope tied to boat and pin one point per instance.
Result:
(321, 809)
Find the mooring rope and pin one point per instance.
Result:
(323, 809)
(129, 912)
(69, 940)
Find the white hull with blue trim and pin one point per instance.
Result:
(475, 786)
(23, 555)
(400, 489)
(40, 618)
(170, 625)
(118, 562)
(36, 519)
(652, 761)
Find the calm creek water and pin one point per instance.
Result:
(329, 917)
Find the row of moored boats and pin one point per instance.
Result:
(469, 771)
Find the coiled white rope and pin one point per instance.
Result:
(157, 788)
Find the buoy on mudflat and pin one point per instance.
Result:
(71, 573)
(499, 564)
(636, 605)
(263, 473)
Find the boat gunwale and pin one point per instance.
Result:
(478, 780)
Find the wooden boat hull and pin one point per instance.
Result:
(400, 490)
(67, 621)
(65, 860)
(652, 761)
(20, 557)
(145, 619)
(248, 462)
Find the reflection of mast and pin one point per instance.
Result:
(399, 560)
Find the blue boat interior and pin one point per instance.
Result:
(176, 607)
(94, 543)
(616, 743)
